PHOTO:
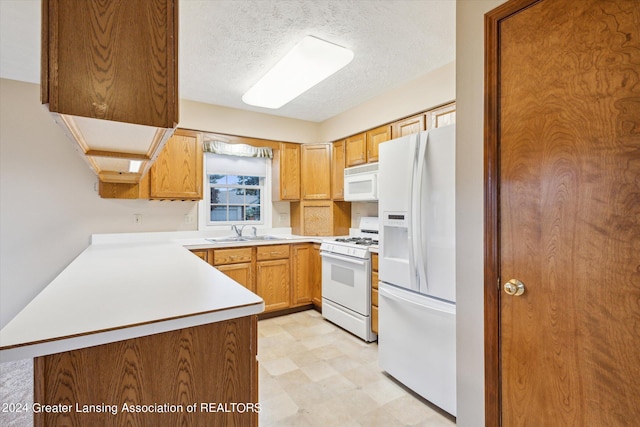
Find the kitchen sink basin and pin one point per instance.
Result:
(232, 239)
(227, 239)
(262, 238)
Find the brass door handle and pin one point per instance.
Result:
(514, 287)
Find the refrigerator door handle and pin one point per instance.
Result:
(384, 292)
(419, 244)
(413, 262)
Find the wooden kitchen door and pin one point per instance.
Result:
(562, 134)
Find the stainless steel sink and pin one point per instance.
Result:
(262, 238)
(232, 239)
(227, 239)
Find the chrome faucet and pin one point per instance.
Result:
(238, 229)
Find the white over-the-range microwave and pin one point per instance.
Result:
(361, 183)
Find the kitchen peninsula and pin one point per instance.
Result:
(140, 327)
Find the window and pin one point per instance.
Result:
(235, 190)
(235, 198)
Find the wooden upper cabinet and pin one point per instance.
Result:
(99, 62)
(408, 126)
(356, 149)
(374, 138)
(177, 173)
(316, 171)
(286, 172)
(442, 116)
(337, 170)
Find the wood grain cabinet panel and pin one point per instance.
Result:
(301, 274)
(203, 254)
(316, 171)
(337, 170)
(241, 273)
(97, 62)
(207, 363)
(321, 218)
(409, 126)
(375, 137)
(374, 292)
(177, 172)
(441, 116)
(231, 255)
(272, 284)
(272, 252)
(356, 150)
(286, 172)
(315, 271)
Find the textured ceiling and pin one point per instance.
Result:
(226, 45)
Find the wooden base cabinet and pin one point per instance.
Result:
(203, 365)
(273, 276)
(301, 274)
(236, 263)
(315, 272)
(273, 284)
(374, 293)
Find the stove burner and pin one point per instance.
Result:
(365, 241)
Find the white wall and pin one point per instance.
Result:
(48, 204)
(469, 207)
(434, 88)
(215, 118)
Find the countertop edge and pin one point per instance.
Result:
(106, 337)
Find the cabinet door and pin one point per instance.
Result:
(408, 126)
(337, 169)
(355, 149)
(177, 172)
(99, 62)
(241, 273)
(316, 171)
(201, 253)
(315, 272)
(301, 275)
(374, 138)
(231, 256)
(287, 173)
(272, 284)
(442, 116)
(317, 220)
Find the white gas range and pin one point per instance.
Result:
(346, 279)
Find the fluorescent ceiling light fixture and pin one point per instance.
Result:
(307, 64)
(134, 165)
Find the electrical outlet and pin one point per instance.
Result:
(137, 218)
(188, 219)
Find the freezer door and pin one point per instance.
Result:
(395, 169)
(417, 343)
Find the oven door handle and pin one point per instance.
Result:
(342, 258)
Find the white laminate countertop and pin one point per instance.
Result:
(117, 291)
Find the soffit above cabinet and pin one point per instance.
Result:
(111, 81)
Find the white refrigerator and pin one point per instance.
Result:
(417, 310)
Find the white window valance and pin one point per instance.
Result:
(241, 150)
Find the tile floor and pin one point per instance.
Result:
(313, 373)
